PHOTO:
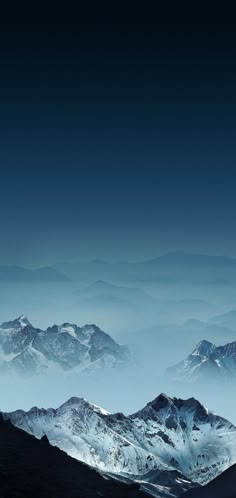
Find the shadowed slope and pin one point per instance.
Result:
(224, 486)
(29, 467)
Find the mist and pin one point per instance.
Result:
(161, 310)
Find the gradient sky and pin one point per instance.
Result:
(117, 133)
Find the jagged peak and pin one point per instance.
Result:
(67, 324)
(164, 402)
(20, 322)
(161, 400)
(92, 329)
(187, 403)
(23, 320)
(88, 326)
(204, 348)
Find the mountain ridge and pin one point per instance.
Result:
(167, 434)
(206, 361)
(26, 350)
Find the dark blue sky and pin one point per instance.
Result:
(117, 133)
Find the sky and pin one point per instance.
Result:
(117, 133)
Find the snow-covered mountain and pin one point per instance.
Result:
(167, 434)
(26, 350)
(31, 468)
(207, 361)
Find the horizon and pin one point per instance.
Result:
(153, 257)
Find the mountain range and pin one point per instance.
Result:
(31, 467)
(207, 362)
(168, 267)
(165, 268)
(26, 350)
(168, 434)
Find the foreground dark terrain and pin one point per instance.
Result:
(32, 468)
(224, 486)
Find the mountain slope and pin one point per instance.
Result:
(26, 350)
(207, 361)
(165, 483)
(34, 468)
(221, 487)
(167, 434)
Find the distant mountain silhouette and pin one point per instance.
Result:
(166, 268)
(186, 258)
(17, 273)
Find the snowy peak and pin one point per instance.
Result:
(87, 332)
(23, 321)
(162, 402)
(19, 323)
(75, 403)
(67, 327)
(165, 402)
(204, 348)
(173, 412)
(82, 404)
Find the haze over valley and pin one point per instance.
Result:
(154, 312)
